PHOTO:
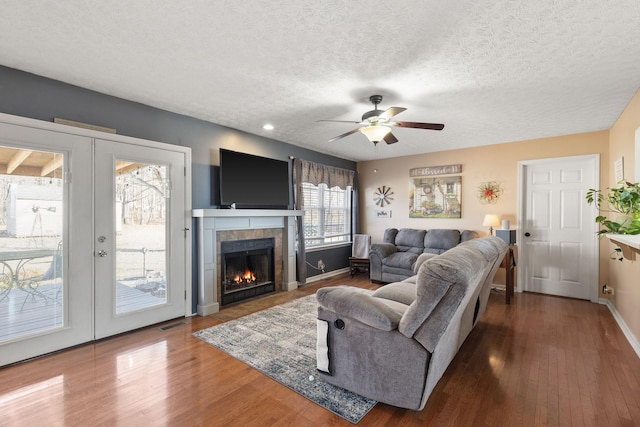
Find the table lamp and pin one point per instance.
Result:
(491, 220)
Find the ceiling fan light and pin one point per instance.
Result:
(375, 133)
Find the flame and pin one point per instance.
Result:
(247, 277)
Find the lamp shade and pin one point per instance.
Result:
(491, 220)
(375, 133)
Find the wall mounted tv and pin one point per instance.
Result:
(252, 181)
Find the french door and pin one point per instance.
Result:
(139, 236)
(93, 238)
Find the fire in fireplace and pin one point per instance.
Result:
(247, 269)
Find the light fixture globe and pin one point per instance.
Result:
(375, 133)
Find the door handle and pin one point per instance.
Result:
(102, 253)
(527, 234)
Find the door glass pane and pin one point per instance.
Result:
(142, 200)
(31, 235)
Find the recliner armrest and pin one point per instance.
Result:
(355, 304)
(383, 250)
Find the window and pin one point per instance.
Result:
(327, 215)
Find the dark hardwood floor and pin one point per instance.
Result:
(540, 361)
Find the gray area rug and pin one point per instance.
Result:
(281, 343)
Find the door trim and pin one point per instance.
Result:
(591, 210)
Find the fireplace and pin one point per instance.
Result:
(247, 269)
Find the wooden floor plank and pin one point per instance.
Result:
(541, 360)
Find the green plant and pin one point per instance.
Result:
(624, 200)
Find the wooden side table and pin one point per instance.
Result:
(509, 264)
(357, 265)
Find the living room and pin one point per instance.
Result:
(33, 96)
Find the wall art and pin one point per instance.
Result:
(382, 213)
(382, 196)
(436, 170)
(489, 192)
(435, 197)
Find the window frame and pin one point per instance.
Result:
(346, 208)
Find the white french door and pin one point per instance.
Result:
(139, 236)
(93, 238)
(44, 225)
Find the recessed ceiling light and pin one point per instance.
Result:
(267, 126)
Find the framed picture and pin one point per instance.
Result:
(439, 197)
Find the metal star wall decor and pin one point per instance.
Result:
(383, 195)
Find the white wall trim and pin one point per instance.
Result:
(623, 326)
(323, 276)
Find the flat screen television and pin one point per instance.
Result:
(250, 181)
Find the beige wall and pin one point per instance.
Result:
(479, 164)
(625, 276)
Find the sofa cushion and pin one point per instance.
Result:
(438, 241)
(390, 236)
(404, 292)
(422, 258)
(468, 235)
(363, 307)
(404, 260)
(410, 240)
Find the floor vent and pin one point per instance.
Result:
(171, 326)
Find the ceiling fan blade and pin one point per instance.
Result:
(418, 125)
(390, 139)
(341, 121)
(390, 112)
(351, 132)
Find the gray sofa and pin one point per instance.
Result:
(394, 259)
(394, 344)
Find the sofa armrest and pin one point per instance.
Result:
(383, 250)
(354, 304)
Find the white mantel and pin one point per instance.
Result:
(209, 221)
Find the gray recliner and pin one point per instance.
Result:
(394, 344)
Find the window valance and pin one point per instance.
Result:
(316, 173)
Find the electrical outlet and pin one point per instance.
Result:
(606, 289)
(320, 265)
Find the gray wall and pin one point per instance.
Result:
(27, 95)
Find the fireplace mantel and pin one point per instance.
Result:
(209, 221)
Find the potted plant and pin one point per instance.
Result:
(623, 200)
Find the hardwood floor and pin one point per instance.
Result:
(539, 361)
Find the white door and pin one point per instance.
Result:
(62, 193)
(557, 231)
(45, 247)
(140, 240)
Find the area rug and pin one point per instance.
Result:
(281, 343)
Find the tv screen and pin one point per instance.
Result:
(252, 181)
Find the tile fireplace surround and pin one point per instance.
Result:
(210, 222)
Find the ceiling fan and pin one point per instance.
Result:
(377, 124)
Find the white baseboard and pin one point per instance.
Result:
(623, 326)
(327, 275)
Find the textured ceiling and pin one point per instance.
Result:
(492, 71)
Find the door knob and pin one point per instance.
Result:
(102, 253)
(527, 234)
